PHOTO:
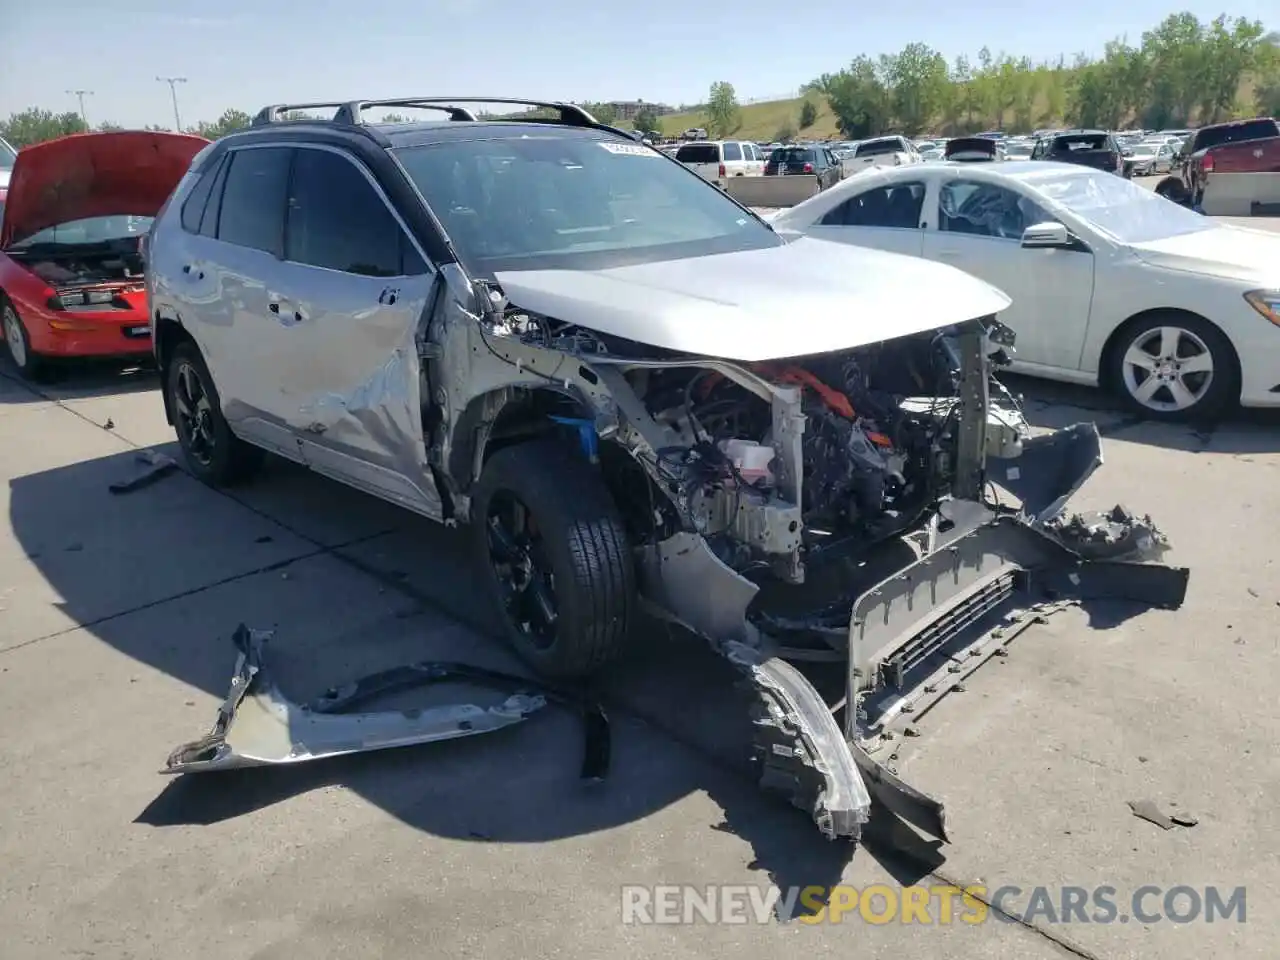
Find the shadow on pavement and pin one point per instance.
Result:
(1051, 406)
(77, 380)
(114, 561)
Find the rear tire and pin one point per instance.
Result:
(30, 366)
(1171, 188)
(213, 454)
(555, 557)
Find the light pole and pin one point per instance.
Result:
(80, 95)
(173, 92)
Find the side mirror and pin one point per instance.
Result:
(1046, 235)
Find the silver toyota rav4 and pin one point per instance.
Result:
(637, 394)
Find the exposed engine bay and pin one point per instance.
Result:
(870, 466)
(771, 462)
(112, 266)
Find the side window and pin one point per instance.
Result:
(898, 206)
(987, 210)
(209, 221)
(252, 212)
(337, 220)
(1038, 150)
(732, 151)
(194, 206)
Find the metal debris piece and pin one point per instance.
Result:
(257, 726)
(1114, 534)
(159, 465)
(1147, 810)
(597, 744)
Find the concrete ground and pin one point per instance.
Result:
(115, 614)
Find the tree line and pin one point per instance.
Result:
(1181, 72)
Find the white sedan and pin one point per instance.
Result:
(1111, 284)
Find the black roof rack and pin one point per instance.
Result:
(275, 113)
(349, 113)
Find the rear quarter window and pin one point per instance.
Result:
(732, 151)
(878, 148)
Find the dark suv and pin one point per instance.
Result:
(1088, 148)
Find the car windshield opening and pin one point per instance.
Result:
(1083, 142)
(7, 156)
(699, 153)
(1120, 208)
(557, 202)
(879, 147)
(792, 155)
(91, 230)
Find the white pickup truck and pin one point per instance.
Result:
(892, 151)
(717, 160)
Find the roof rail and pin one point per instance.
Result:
(350, 113)
(569, 113)
(275, 113)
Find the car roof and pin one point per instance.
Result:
(423, 133)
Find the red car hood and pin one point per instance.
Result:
(94, 175)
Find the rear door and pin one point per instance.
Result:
(225, 282)
(353, 287)
(735, 159)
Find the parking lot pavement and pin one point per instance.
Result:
(116, 613)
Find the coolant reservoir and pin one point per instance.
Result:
(751, 460)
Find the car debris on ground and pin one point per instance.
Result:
(159, 466)
(258, 726)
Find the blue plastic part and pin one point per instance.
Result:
(587, 435)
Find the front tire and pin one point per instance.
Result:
(556, 559)
(1175, 367)
(213, 454)
(30, 366)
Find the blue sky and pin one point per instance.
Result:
(237, 53)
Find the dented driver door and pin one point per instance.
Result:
(353, 288)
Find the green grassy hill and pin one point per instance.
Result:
(762, 121)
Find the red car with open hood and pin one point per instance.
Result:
(71, 252)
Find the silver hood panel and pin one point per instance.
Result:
(807, 296)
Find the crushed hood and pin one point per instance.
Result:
(804, 297)
(94, 175)
(1236, 253)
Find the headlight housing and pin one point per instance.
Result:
(1266, 302)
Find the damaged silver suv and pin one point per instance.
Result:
(637, 395)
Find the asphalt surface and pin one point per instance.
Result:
(115, 618)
